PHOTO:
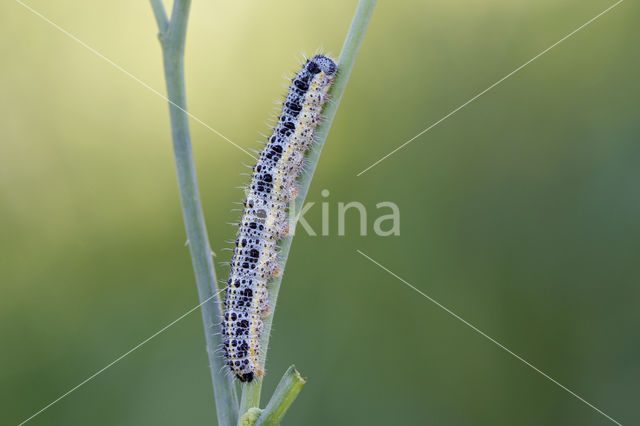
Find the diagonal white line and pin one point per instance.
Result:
(119, 68)
(94, 375)
(491, 87)
(501, 346)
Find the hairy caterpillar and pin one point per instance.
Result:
(264, 218)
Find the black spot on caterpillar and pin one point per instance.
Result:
(264, 218)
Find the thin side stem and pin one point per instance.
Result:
(251, 392)
(286, 392)
(160, 15)
(173, 41)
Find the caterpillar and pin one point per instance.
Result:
(264, 218)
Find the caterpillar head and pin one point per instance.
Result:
(322, 63)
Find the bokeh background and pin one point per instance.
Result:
(521, 213)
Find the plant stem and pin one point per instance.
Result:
(251, 391)
(172, 37)
(160, 14)
(288, 389)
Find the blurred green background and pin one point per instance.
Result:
(521, 213)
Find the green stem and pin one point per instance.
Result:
(251, 391)
(160, 14)
(288, 389)
(172, 39)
